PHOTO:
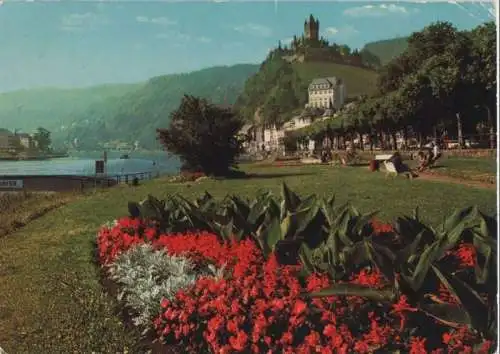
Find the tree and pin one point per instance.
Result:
(482, 72)
(42, 139)
(203, 136)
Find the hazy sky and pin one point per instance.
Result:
(72, 44)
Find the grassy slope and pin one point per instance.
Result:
(358, 81)
(51, 300)
(387, 49)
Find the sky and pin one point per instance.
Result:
(78, 44)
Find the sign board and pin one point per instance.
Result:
(11, 183)
(99, 167)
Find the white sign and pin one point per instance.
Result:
(13, 183)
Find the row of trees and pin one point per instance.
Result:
(444, 81)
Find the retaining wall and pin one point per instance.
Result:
(53, 183)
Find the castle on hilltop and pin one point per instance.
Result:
(311, 29)
(309, 39)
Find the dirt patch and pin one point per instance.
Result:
(429, 176)
(18, 209)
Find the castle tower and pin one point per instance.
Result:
(311, 29)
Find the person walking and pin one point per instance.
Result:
(434, 153)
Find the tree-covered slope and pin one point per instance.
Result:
(52, 108)
(136, 115)
(388, 49)
(280, 88)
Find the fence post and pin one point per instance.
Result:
(126, 179)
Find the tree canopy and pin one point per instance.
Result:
(203, 136)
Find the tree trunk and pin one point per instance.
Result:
(459, 131)
(381, 140)
(394, 140)
(405, 137)
(492, 129)
(361, 142)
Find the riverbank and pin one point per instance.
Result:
(33, 157)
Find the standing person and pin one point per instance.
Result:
(436, 154)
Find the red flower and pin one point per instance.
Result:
(417, 345)
(299, 307)
(466, 253)
(239, 341)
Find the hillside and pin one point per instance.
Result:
(52, 108)
(358, 81)
(387, 49)
(279, 88)
(136, 115)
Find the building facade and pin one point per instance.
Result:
(326, 93)
(7, 140)
(26, 140)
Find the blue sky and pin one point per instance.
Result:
(76, 44)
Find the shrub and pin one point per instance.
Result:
(147, 276)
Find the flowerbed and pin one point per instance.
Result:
(210, 295)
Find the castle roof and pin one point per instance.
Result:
(330, 81)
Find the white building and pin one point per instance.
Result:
(326, 93)
(297, 122)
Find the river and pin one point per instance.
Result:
(83, 164)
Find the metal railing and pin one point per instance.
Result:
(139, 176)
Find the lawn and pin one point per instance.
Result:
(468, 168)
(52, 301)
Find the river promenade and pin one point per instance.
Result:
(79, 173)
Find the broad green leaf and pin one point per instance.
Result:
(467, 297)
(349, 289)
(134, 209)
(290, 199)
(305, 255)
(272, 233)
(449, 314)
(429, 255)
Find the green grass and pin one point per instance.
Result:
(467, 166)
(358, 81)
(482, 169)
(51, 299)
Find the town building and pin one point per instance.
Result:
(26, 140)
(327, 93)
(7, 140)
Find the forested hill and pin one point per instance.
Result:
(136, 115)
(52, 108)
(388, 49)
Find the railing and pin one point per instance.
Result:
(140, 176)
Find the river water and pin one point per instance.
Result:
(83, 164)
